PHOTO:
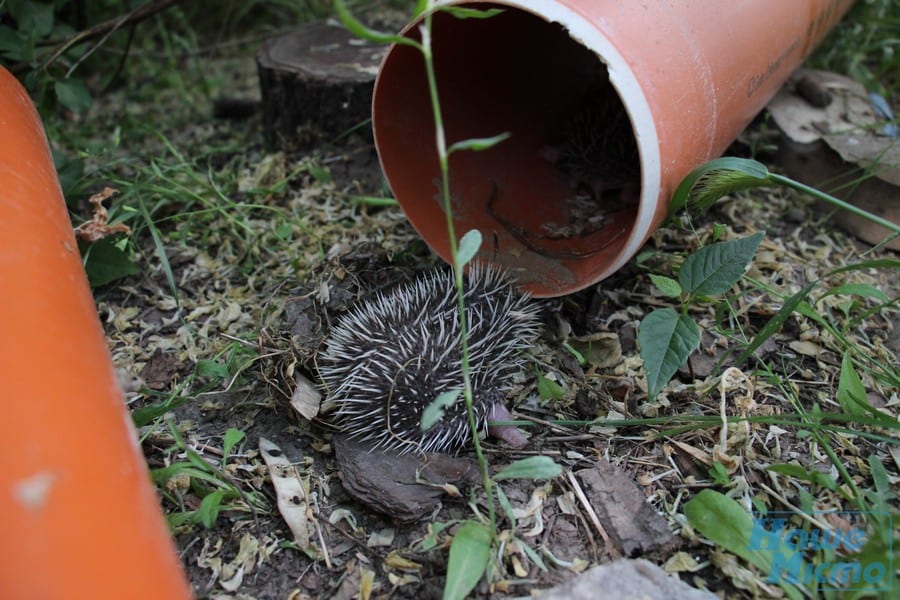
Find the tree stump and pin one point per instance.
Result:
(316, 85)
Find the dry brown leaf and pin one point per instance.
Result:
(305, 399)
(98, 227)
(291, 493)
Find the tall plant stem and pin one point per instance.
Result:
(444, 162)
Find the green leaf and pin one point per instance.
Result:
(576, 353)
(668, 286)
(468, 248)
(232, 438)
(857, 289)
(470, 13)
(851, 396)
(209, 508)
(477, 144)
(713, 269)
(470, 552)
(534, 556)
(506, 505)
(725, 522)
(104, 263)
(147, 414)
(12, 46)
(549, 389)
(533, 467)
(812, 476)
(33, 17)
(361, 31)
(374, 200)
(851, 392)
(719, 474)
(875, 263)
(666, 340)
(72, 94)
(160, 248)
(709, 182)
(774, 324)
(434, 412)
(211, 368)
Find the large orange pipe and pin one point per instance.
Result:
(689, 74)
(79, 515)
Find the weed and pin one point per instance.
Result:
(666, 337)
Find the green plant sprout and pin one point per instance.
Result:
(666, 337)
(470, 551)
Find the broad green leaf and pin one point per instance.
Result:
(420, 7)
(232, 438)
(209, 508)
(12, 46)
(881, 480)
(719, 474)
(104, 263)
(211, 368)
(666, 340)
(709, 182)
(851, 392)
(549, 389)
(72, 94)
(477, 144)
(434, 412)
(851, 396)
(533, 467)
(470, 552)
(468, 247)
(725, 522)
(36, 18)
(668, 286)
(713, 269)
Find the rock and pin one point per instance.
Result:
(626, 579)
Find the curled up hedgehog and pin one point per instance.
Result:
(390, 357)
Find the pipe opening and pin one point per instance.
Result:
(555, 202)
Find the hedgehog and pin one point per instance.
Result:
(390, 357)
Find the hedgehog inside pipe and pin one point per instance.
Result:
(391, 356)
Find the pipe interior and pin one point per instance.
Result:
(556, 201)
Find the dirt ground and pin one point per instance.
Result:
(258, 288)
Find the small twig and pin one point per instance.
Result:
(579, 493)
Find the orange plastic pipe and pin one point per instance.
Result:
(80, 517)
(689, 74)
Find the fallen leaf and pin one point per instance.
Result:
(291, 493)
(98, 227)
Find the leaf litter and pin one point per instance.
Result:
(258, 286)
